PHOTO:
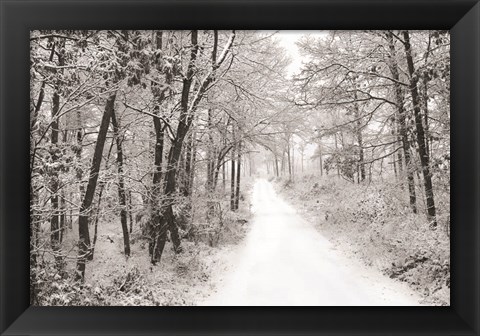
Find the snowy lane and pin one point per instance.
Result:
(285, 261)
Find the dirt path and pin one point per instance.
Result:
(285, 261)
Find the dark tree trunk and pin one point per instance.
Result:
(78, 153)
(211, 147)
(186, 186)
(210, 154)
(41, 95)
(239, 163)
(183, 125)
(186, 117)
(158, 236)
(394, 162)
(70, 212)
(232, 181)
(220, 162)
(55, 234)
(216, 173)
(54, 223)
(158, 230)
(359, 135)
(63, 216)
(192, 162)
(157, 226)
(403, 126)
(129, 210)
(63, 211)
(121, 185)
(101, 187)
(224, 179)
(177, 144)
(422, 149)
(84, 247)
(425, 114)
(399, 139)
(425, 100)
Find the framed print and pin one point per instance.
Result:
(279, 167)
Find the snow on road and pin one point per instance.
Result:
(285, 261)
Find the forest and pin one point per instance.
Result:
(146, 146)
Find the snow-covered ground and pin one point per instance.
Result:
(285, 261)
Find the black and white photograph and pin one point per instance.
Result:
(240, 168)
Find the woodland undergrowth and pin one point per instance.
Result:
(179, 279)
(373, 222)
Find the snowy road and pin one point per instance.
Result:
(285, 261)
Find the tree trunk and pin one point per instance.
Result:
(84, 247)
(212, 167)
(425, 100)
(224, 179)
(219, 162)
(422, 149)
(63, 216)
(232, 181)
(210, 154)
(63, 211)
(41, 95)
(188, 169)
(70, 212)
(54, 184)
(130, 214)
(78, 153)
(425, 114)
(399, 140)
(239, 162)
(101, 187)
(157, 228)
(358, 131)
(121, 186)
(177, 144)
(394, 162)
(211, 148)
(184, 123)
(403, 126)
(55, 228)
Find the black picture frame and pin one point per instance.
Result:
(461, 17)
